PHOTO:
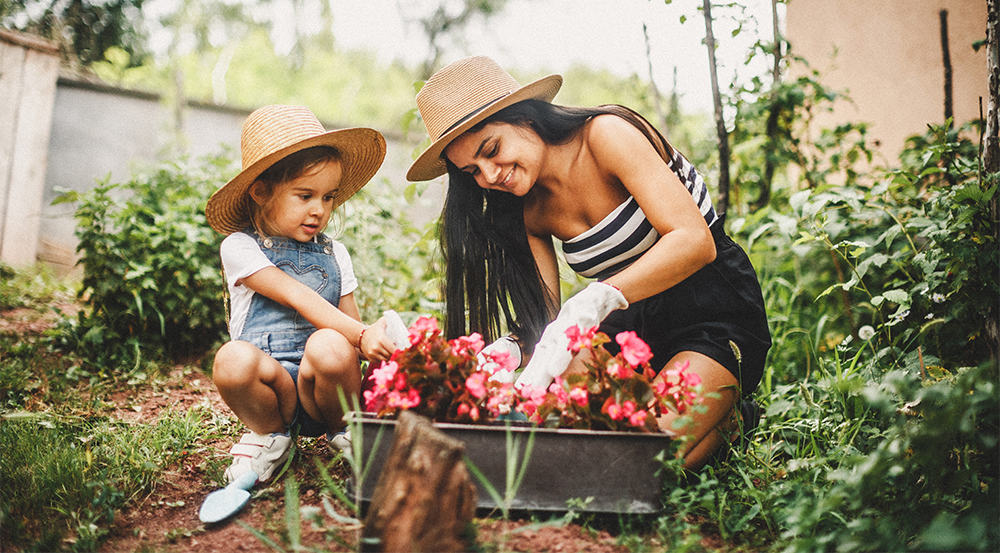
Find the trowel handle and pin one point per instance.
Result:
(396, 330)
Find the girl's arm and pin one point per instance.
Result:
(623, 153)
(282, 288)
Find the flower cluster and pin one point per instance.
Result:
(613, 392)
(455, 380)
(445, 380)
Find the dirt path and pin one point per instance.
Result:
(167, 519)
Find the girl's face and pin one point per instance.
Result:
(500, 156)
(300, 208)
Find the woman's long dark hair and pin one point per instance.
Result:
(491, 278)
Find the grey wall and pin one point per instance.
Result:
(99, 131)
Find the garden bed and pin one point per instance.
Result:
(608, 471)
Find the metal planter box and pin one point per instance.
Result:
(620, 471)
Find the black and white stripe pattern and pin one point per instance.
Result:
(625, 234)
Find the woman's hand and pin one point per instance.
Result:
(552, 356)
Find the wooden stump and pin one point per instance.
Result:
(424, 499)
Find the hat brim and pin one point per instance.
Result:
(361, 150)
(430, 164)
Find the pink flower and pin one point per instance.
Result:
(558, 391)
(497, 361)
(634, 350)
(579, 396)
(465, 344)
(612, 409)
(471, 411)
(579, 340)
(374, 400)
(531, 398)
(476, 384)
(407, 401)
(501, 398)
(617, 369)
(638, 419)
(628, 408)
(384, 374)
(421, 328)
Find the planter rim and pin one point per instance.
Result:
(515, 426)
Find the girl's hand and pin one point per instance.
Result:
(375, 343)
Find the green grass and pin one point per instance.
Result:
(63, 478)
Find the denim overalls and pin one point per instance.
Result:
(280, 331)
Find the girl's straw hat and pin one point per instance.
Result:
(272, 133)
(463, 94)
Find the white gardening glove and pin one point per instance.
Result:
(396, 330)
(552, 356)
(503, 344)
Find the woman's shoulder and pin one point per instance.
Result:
(610, 128)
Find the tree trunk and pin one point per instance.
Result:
(773, 113)
(722, 205)
(946, 60)
(991, 144)
(424, 499)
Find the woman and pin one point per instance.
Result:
(628, 209)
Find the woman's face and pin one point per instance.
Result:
(500, 156)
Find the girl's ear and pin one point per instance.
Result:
(259, 192)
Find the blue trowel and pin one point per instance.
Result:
(222, 504)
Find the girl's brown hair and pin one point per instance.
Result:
(286, 169)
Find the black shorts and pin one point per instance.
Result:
(719, 304)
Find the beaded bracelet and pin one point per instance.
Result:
(362, 335)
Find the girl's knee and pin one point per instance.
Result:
(328, 353)
(237, 363)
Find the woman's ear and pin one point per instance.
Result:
(259, 192)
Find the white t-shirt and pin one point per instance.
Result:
(242, 257)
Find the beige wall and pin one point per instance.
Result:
(28, 69)
(887, 55)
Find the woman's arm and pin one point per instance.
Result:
(624, 154)
(545, 257)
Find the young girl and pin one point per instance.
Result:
(294, 323)
(628, 210)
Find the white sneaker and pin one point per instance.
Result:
(259, 453)
(341, 441)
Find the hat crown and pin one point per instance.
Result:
(461, 89)
(273, 128)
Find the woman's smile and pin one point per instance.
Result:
(499, 156)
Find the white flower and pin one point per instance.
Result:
(899, 317)
(866, 332)
(937, 297)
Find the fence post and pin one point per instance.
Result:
(29, 67)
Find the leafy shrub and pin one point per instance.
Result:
(151, 277)
(397, 264)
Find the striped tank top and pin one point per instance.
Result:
(625, 234)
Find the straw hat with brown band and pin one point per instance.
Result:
(272, 133)
(462, 94)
